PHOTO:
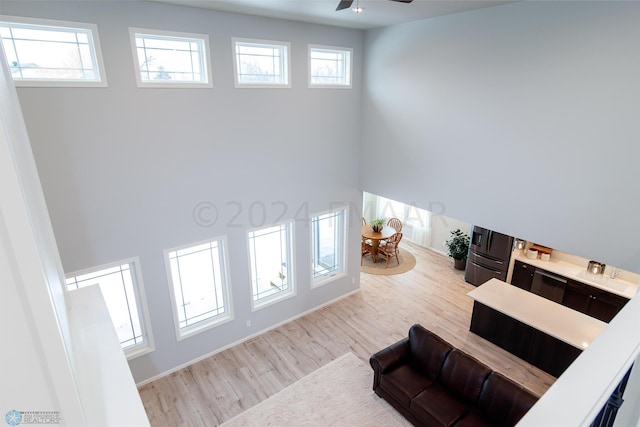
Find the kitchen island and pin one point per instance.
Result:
(542, 332)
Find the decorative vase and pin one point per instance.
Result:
(459, 264)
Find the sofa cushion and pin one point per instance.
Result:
(404, 383)
(463, 376)
(474, 419)
(436, 406)
(428, 351)
(504, 402)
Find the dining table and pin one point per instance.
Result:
(376, 237)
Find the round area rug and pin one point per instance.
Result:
(407, 262)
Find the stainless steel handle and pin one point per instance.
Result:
(498, 272)
(494, 261)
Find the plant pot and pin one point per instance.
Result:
(459, 264)
(377, 229)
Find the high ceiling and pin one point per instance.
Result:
(376, 13)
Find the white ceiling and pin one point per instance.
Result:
(377, 13)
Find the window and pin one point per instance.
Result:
(328, 239)
(329, 67)
(261, 63)
(271, 264)
(416, 225)
(121, 286)
(199, 287)
(168, 59)
(52, 53)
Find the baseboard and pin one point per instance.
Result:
(242, 340)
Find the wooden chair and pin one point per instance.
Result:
(367, 248)
(391, 250)
(395, 223)
(364, 221)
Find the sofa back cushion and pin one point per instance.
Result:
(504, 402)
(428, 351)
(463, 376)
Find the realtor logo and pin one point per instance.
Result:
(13, 417)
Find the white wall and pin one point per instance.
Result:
(521, 118)
(123, 169)
(439, 226)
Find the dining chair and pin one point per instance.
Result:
(368, 241)
(367, 248)
(391, 250)
(395, 223)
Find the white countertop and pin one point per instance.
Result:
(570, 326)
(578, 273)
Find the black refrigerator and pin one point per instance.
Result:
(489, 254)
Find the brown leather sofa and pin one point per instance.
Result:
(433, 384)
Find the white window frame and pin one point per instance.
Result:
(206, 324)
(291, 273)
(147, 344)
(348, 52)
(203, 39)
(94, 42)
(286, 63)
(342, 271)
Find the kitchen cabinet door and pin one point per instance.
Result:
(550, 354)
(594, 302)
(522, 275)
(604, 305)
(502, 330)
(536, 347)
(577, 297)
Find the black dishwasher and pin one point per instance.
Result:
(548, 285)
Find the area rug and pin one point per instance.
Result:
(338, 394)
(407, 262)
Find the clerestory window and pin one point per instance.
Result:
(261, 63)
(169, 59)
(52, 53)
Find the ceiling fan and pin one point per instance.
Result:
(345, 4)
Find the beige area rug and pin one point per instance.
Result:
(407, 262)
(338, 394)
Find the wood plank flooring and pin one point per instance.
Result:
(432, 294)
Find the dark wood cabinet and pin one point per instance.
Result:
(500, 329)
(592, 301)
(605, 305)
(536, 347)
(550, 354)
(578, 296)
(522, 275)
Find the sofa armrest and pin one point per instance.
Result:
(388, 358)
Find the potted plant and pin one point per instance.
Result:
(377, 224)
(458, 245)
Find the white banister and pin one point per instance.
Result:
(108, 392)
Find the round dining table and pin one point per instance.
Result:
(376, 237)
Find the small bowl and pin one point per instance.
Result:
(532, 254)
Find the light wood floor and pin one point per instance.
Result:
(432, 294)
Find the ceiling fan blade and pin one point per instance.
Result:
(345, 4)
(403, 1)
